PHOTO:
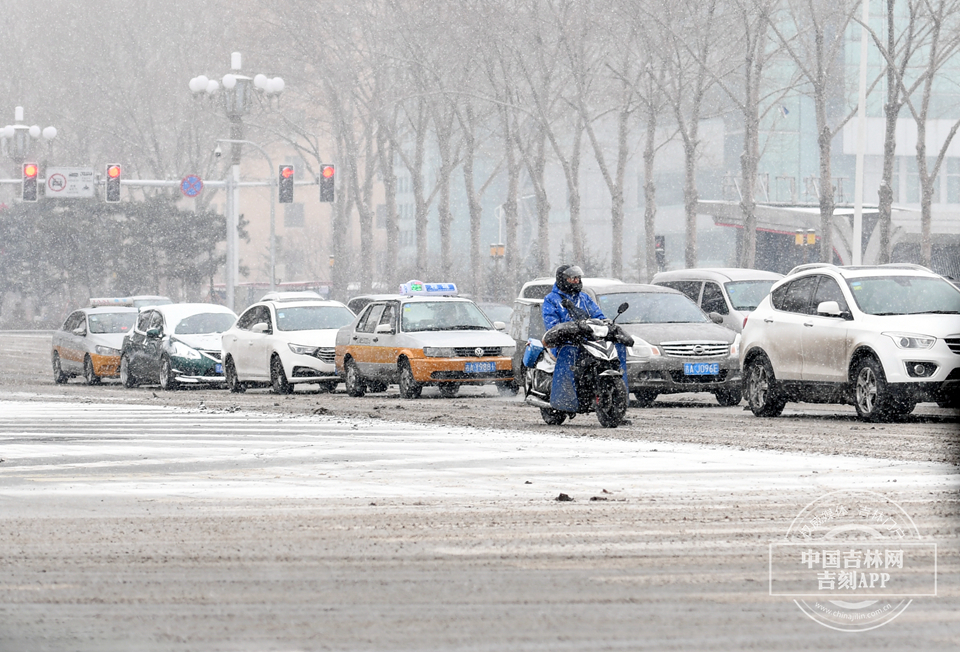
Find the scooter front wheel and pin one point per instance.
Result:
(553, 417)
(611, 401)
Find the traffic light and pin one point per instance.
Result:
(328, 176)
(660, 249)
(29, 185)
(285, 190)
(112, 193)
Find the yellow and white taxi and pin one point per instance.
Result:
(89, 343)
(426, 335)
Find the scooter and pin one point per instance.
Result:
(588, 374)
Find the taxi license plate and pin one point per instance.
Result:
(480, 367)
(701, 368)
(218, 368)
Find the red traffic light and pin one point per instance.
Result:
(113, 171)
(327, 171)
(286, 171)
(30, 170)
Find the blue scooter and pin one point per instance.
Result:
(588, 374)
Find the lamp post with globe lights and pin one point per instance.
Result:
(235, 92)
(18, 137)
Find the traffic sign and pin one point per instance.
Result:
(71, 182)
(191, 186)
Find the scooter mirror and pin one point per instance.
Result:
(623, 308)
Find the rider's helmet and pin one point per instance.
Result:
(569, 279)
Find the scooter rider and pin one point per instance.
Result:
(568, 286)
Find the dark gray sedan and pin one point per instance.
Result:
(678, 347)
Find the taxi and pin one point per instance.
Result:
(424, 336)
(89, 343)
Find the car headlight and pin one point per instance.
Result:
(300, 349)
(641, 349)
(106, 350)
(912, 340)
(438, 351)
(508, 351)
(182, 350)
(735, 347)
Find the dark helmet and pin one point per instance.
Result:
(565, 276)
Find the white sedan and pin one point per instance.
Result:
(285, 339)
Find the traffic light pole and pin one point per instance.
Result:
(273, 207)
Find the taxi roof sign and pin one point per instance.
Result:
(419, 288)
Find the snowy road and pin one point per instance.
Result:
(150, 527)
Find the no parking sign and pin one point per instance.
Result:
(191, 185)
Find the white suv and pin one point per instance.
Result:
(285, 339)
(883, 338)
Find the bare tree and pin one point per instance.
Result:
(817, 52)
(690, 38)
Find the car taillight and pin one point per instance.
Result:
(744, 322)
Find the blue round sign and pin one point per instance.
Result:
(191, 186)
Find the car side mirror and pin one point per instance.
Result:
(153, 333)
(500, 326)
(82, 332)
(261, 327)
(716, 317)
(385, 329)
(829, 308)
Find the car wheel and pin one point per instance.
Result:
(88, 373)
(729, 396)
(872, 398)
(352, 381)
(58, 376)
(278, 379)
(230, 375)
(645, 397)
(126, 378)
(553, 417)
(409, 388)
(763, 395)
(449, 390)
(167, 381)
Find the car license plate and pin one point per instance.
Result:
(218, 368)
(701, 368)
(480, 367)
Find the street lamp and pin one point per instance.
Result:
(18, 136)
(237, 92)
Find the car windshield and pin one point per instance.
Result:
(443, 316)
(308, 318)
(111, 322)
(747, 295)
(497, 312)
(205, 322)
(905, 295)
(652, 308)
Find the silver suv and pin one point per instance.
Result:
(882, 338)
